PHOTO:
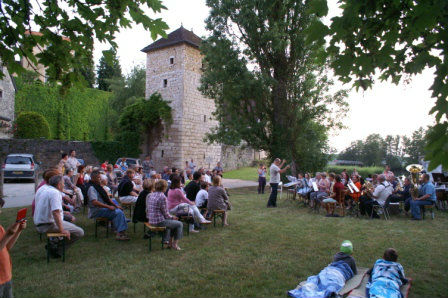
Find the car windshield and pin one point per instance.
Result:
(18, 160)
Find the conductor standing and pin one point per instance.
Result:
(275, 171)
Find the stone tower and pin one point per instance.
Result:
(173, 68)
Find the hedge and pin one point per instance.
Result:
(363, 171)
(81, 114)
(112, 150)
(32, 125)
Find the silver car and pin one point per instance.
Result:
(20, 166)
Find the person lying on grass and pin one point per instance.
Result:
(332, 278)
(386, 277)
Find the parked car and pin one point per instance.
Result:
(20, 166)
(130, 162)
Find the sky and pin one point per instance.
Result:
(386, 109)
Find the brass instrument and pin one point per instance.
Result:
(368, 188)
(399, 185)
(415, 170)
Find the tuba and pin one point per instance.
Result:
(414, 170)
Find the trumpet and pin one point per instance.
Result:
(368, 188)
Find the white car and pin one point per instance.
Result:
(20, 166)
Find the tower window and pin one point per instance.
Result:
(162, 153)
(1, 93)
(165, 83)
(171, 60)
(205, 118)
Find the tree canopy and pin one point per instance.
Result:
(67, 30)
(390, 40)
(109, 68)
(264, 69)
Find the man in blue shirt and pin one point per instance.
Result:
(426, 196)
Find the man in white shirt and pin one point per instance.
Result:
(379, 196)
(275, 171)
(72, 161)
(48, 214)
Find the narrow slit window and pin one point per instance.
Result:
(205, 118)
(165, 83)
(162, 153)
(172, 60)
(1, 93)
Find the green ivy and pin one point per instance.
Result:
(112, 150)
(81, 114)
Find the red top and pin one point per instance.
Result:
(80, 180)
(5, 261)
(104, 166)
(176, 197)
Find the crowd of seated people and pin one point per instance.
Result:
(366, 194)
(157, 198)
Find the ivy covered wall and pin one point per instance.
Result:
(81, 114)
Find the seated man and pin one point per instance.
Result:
(426, 196)
(332, 278)
(386, 277)
(126, 191)
(100, 205)
(193, 187)
(48, 215)
(402, 195)
(379, 196)
(71, 188)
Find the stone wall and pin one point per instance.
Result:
(233, 157)
(47, 151)
(7, 101)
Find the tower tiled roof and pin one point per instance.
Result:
(178, 36)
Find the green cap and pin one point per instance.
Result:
(347, 247)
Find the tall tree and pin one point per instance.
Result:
(67, 30)
(392, 39)
(414, 146)
(263, 67)
(109, 68)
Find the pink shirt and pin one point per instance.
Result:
(176, 197)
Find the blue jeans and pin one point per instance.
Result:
(272, 202)
(415, 207)
(117, 216)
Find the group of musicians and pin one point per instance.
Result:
(354, 191)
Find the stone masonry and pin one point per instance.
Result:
(173, 69)
(7, 100)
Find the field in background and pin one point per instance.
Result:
(250, 173)
(263, 253)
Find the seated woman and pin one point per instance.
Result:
(302, 187)
(353, 197)
(332, 278)
(337, 194)
(158, 215)
(112, 180)
(178, 202)
(218, 198)
(386, 277)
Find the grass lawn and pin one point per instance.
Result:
(247, 173)
(263, 253)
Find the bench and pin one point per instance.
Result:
(128, 206)
(218, 213)
(104, 220)
(153, 229)
(57, 235)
